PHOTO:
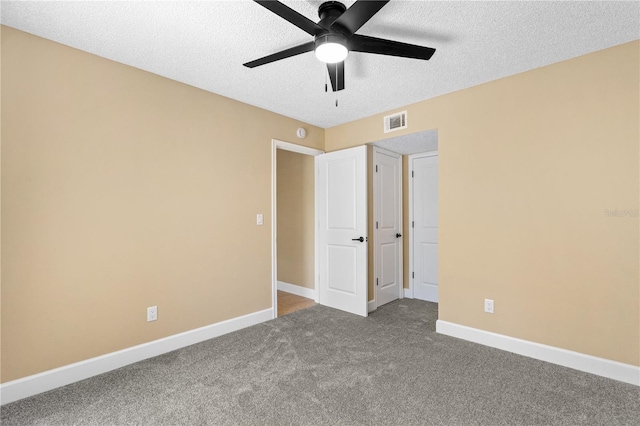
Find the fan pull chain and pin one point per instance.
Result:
(337, 85)
(326, 87)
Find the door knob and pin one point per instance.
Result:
(361, 239)
(398, 235)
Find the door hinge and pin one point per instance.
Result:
(411, 173)
(413, 224)
(413, 275)
(376, 224)
(376, 168)
(376, 281)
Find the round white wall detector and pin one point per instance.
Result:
(301, 133)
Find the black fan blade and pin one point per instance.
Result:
(287, 53)
(360, 43)
(336, 74)
(292, 16)
(358, 15)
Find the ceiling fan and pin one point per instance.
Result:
(334, 36)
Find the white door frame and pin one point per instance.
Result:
(376, 213)
(411, 237)
(287, 146)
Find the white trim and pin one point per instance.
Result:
(316, 236)
(376, 215)
(287, 146)
(411, 236)
(309, 293)
(408, 293)
(590, 364)
(300, 149)
(401, 231)
(274, 231)
(372, 304)
(51, 379)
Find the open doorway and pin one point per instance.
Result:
(415, 145)
(294, 245)
(340, 231)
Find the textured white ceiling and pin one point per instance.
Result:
(205, 43)
(413, 143)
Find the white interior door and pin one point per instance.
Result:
(425, 227)
(388, 225)
(342, 234)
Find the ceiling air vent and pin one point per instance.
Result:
(395, 122)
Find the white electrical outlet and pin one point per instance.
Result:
(488, 305)
(259, 219)
(152, 313)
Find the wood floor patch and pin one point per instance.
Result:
(288, 303)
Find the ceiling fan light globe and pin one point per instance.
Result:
(331, 53)
(331, 48)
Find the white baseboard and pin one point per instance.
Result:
(408, 294)
(576, 360)
(371, 306)
(309, 293)
(51, 379)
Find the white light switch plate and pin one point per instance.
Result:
(260, 219)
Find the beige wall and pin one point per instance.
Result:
(122, 190)
(528, 167)
(296, 218)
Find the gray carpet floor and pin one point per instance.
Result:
(322, 366)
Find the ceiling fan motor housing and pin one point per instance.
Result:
(328, 12)
(330, 38)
